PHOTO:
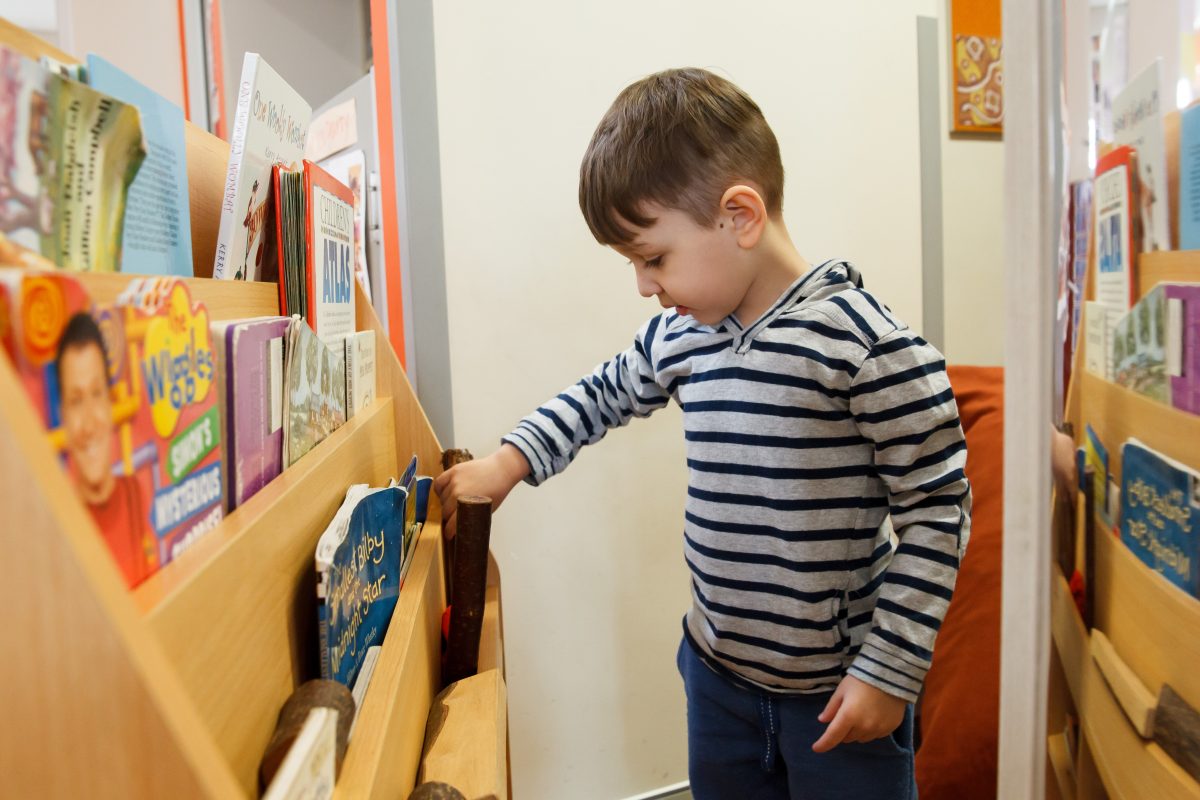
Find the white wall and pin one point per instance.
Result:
(972, 233)
(594, 580)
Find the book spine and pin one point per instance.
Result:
(323, 637)
(351, 369)
(237, 150)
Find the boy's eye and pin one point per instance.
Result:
(654, 262)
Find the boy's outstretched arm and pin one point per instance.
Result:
(493, 476)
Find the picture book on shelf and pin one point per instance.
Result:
(359, 561)
(1137, 116)
(1189, 178)
(125, 393)
(1160, 509)
(360, 371)
(1100, 323)
(316, 230)
(1153, 347)
(1116, 191)
(157, 236)
(68, 154)
(269, 127)
(350, 169)
(309, 769)
(250, 366)
(314, 391)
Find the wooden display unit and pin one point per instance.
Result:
(172, 690)
(1144, 628)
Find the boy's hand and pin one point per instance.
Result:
(859, 713)
(493, 476)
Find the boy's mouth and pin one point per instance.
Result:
(682, 311)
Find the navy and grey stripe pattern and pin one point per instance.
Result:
(806, 433)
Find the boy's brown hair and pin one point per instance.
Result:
(678, 138)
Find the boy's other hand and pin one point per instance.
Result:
(493, 476)
(858, 712)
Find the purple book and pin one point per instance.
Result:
(1183, 327)
(253, 362)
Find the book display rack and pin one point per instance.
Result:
(172, 689)
(1137, 632)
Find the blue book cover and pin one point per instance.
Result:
(1189, 178)
(359, 578)
(158, 231)
(1160, 509)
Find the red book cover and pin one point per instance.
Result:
(329, 229)
(1117, 228)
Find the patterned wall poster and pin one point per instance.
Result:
(976, 67)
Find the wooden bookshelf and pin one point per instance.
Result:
(1143, 635)
(172, 690)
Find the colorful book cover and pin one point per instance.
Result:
(270, 126)
(1189, 178)
(1160, 511)
(350, 168)
(1095, 455)
(124, 393)
(253, 364)
(1137, 347)
(1081, 235)
(1138, 122)
(68, 154)
(358, 562)
(329, 223)
(157, 238)
(1183, 337)
(1115, 228)
(315, 391)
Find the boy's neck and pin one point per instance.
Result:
(777, 265)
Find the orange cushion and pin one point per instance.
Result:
(960, 709)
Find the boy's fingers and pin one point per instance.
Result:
(831, 708)
(835, 734)
(448, 525)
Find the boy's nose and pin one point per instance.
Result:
(646, 286)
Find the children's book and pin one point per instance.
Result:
(157, 236)
(1096, 457)
(315, 391)
(250, 360)
(1116, 228)
(309, 769)
(1153, 348)
(1100, 323)
(1138, 122)
(1160, 511)
(1081, 235)
(1189, 178)
(360, 561)
(68, 154)
(317, 238)
(350, 169)
(269, 127)
(126, 394)
(360, 371)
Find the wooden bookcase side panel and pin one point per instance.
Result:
(1178, 266)
(92, 696)
(207, 158)
(238, 618)
(222, 299)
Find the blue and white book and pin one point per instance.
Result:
(360, 562)
(1189, 178)
(1160, 512)
(158, 228)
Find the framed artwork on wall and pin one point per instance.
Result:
(976, 67)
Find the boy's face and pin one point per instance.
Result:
(87, 418)
(688, 266)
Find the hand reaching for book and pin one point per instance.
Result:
(493, 476)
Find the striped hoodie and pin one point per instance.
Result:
(805, 431)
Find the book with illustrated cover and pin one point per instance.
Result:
(250, 360)
(125, 393)
(360, 560)
(350, 169)
(360, 371)
(1189, 178)
(1154, 346)
(316, 227)
(1116, 228)
(157, 236)
(1137, 116)
(314, 391)
(68, 154)
(270, 127)
(309, 769)
(1160, 511)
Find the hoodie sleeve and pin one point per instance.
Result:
(615, 392)
(902, 402)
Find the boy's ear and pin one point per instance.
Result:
(743, 209)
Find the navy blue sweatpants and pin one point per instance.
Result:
(749, 745)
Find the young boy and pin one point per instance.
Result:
(810, 414)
